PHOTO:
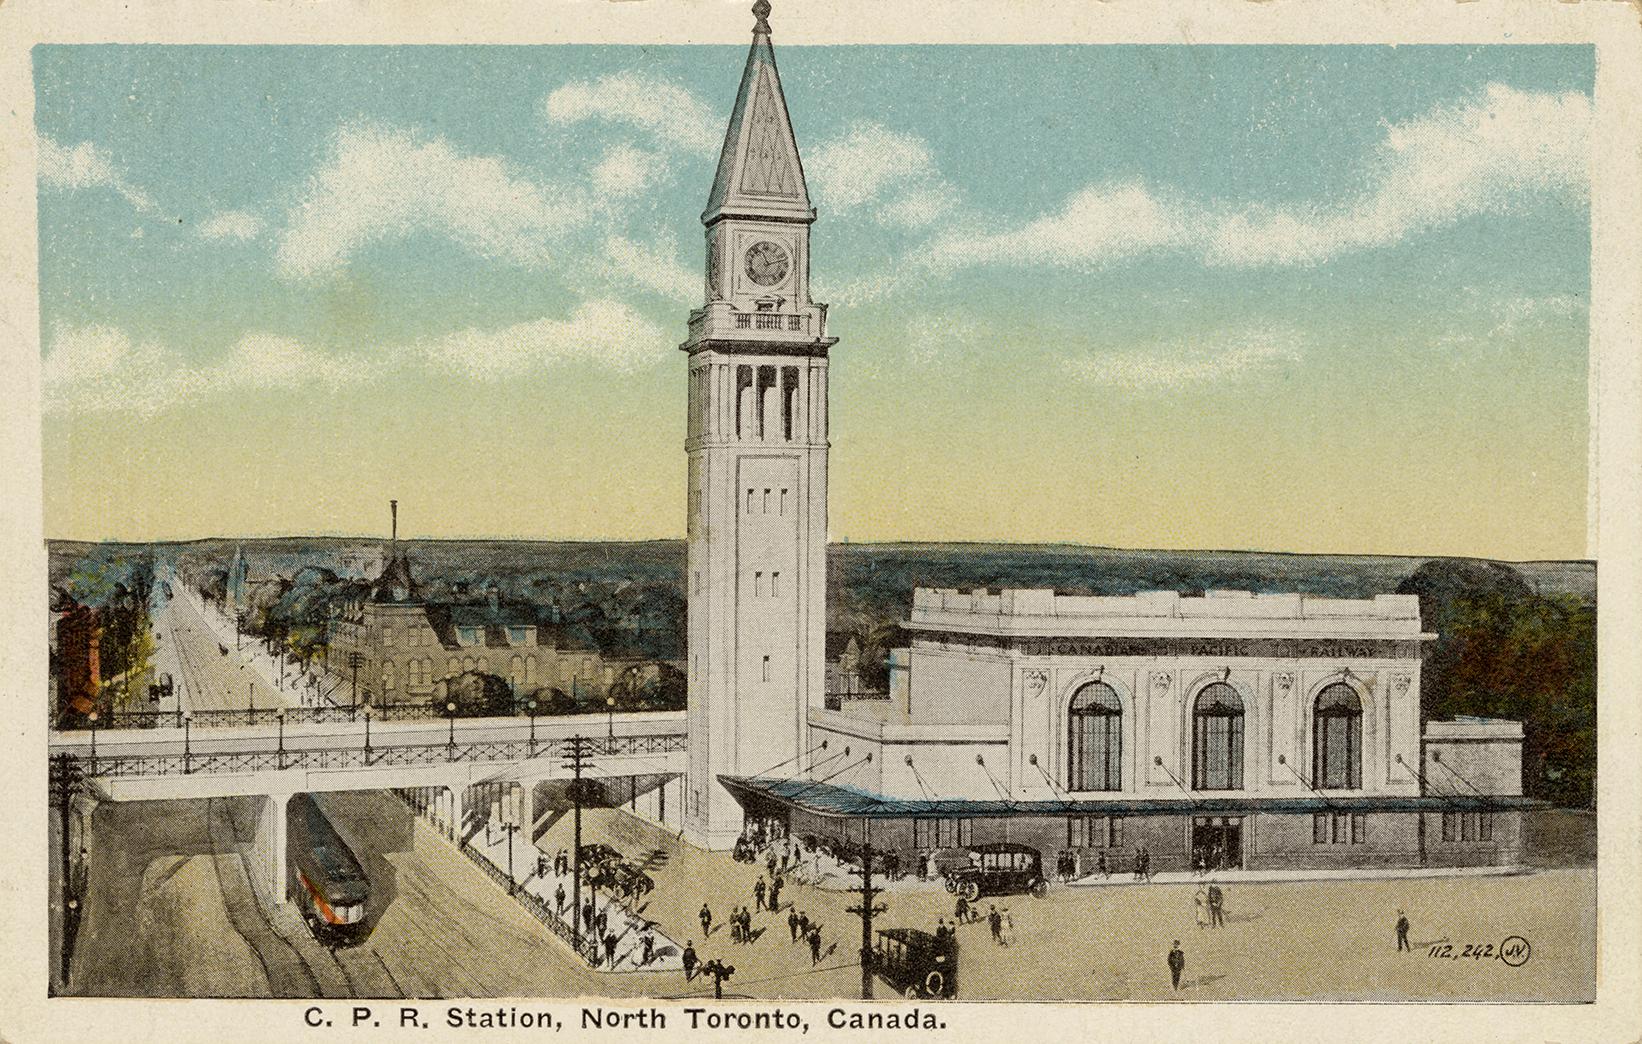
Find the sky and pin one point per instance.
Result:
(1281, 298)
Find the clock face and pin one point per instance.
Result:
(766, 263)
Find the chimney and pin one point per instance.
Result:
(393, 511)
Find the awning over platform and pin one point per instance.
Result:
(829, 799)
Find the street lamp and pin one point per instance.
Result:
(92, 717)
(367, 733)
(450, 710)
(610, 707)
(530, 708)
(187, 752)
(279, 715)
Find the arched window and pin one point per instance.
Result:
(516, 671)
(453, 666)
(1095, 739)
(1217, 739)
(1337, 739)
(387, 676)
(530, 670)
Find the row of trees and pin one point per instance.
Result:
(1506, 651)
(122, 590)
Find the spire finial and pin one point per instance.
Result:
(761, 11)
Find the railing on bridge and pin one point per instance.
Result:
(378, 756)
(241, 717)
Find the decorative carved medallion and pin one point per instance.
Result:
(1284, 681)
(1401, 682)
(1036, 681)
(1160, 682)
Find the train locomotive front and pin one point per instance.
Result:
(326, 879)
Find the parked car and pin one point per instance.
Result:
(999, 869)
(630, 881)
(594, 854)
(917, 964)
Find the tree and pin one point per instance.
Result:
(1504, 651)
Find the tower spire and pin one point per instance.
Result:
(759, 172)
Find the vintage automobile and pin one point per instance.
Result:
(999, 869)
(917, 964)
(597, 854)
(630, 881)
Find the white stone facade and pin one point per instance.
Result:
(993, 674)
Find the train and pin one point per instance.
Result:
(326, 879)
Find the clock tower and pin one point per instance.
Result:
(757, 447)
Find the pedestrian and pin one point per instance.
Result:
(941, 930)
(1146, 863)
(1200, 902)
(689, 960)
(1402, 933)
(1177, 963)
(758, 893)
(1101, 867)
(1008, 927)
(995, 919)
(610, 949)
(561, 864)
(746, 925)
(1217, 906)
(558, 900)
(648, 942)
(960, 910)
(769, 862)
(1138, 872)
(706, 920)
(803, 924)
(587, 914)
(775, 893)
(815, 946)
(603, 919)
(792, 923)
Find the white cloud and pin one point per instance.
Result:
(1097, 225)
(1486, 155)
(230, 225)
(885, 172)
(1167, 366)
(382, 183)
(85, 166)
(100, 369)
(653, 267)
(1491, 154)
(672, 114)
(602, 331)
(625, 171)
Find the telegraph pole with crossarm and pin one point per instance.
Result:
(576, 763)
(867, 908)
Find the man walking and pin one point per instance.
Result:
(1177, 963)
(689, 960)
(706, 920)
(960, 911)
(815, 945)
(1217, 906)
(775, 893)
(1402, 933)
(558, 900)
(792, 923)
(648, 941)
(610, 949)
(758, 894)
(995, 920)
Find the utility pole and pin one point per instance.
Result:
(867, 908)
(576, 764)
(353, 662)
(66, 777)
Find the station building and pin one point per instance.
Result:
(1239, 730)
